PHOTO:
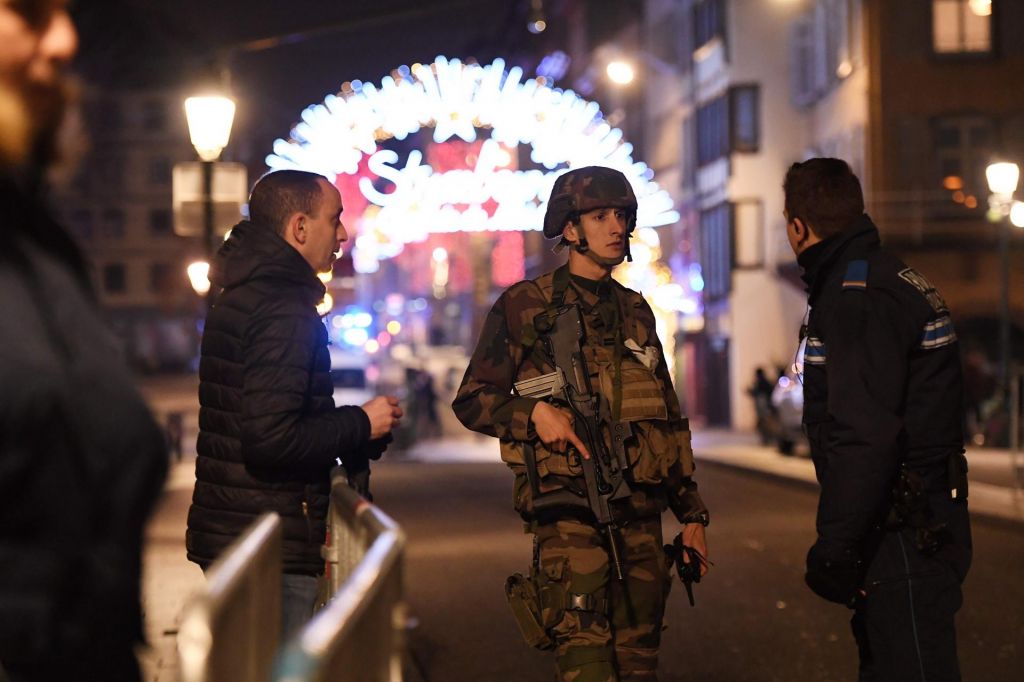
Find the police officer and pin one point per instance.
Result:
(882, 409)
(601, 628)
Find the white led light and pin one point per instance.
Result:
(562, 130)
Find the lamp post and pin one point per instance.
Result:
(209, 126)
(1002, 183)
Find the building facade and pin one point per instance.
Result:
(118, 204)
(915, 95)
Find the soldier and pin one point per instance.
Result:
(602, 628)
(882, 408)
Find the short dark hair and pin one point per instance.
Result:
(279, 194)
(823, 193)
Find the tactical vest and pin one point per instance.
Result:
(657, 445)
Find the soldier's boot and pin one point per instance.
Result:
(586, 664)
(636, 665)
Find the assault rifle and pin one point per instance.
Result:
(569, 386)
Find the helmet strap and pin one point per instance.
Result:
(600, 260)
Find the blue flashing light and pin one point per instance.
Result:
(355, 336)
(696, 278)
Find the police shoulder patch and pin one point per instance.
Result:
(856, 275)
(938, 333)
(921, 283)
(815, 353)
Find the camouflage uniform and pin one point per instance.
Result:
(601, 628)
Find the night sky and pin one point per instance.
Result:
(131, 44)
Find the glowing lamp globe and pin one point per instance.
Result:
(209, 124)
(1002, 178)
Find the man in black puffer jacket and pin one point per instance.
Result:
(269, 432)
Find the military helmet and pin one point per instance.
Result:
(584, 189)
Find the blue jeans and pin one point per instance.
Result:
(298, 597)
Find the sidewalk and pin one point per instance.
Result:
(992, 477)
(993, 492)
(168, 578)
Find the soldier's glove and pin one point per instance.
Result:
(835, 575)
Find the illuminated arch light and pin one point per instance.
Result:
(561, 128)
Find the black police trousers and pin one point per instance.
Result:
(904, 627)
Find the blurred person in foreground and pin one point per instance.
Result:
(269, 432)
(601, 626)
(81, 459)
(882, 408)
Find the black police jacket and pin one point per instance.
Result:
(269, 432)
(882, 381)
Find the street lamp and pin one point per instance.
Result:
(1002, 182)
(209, 127)
(620, 72)
(535, 22)
(199, 276)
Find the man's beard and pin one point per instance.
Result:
(30, 124)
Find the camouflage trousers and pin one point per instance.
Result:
(608, 630)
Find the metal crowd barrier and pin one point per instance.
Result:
(357, 635)
(231, 630)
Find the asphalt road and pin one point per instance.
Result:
(754, 619)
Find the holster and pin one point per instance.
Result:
(911, 507)
(527, 608)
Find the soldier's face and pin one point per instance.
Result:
(605, 230)
(37, 40)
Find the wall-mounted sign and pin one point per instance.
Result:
(404, 199)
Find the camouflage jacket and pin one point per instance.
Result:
(510, 350)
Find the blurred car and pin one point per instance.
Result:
(349, 377)
(788, 401)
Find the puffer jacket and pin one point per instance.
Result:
(81, 464)
(269, 432)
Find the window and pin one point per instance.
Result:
(154, 116)
(708, 22)
(712, 131)
(114, 278)
(963, 146)
(961, 26)
(81, 223)
(716, 251)
(109, 172)
(729, 123)
(160, 221)
(160, 278)
(107, 115)
(824, 48)
(744, 115)
(159, 171)
(112, 224)
(668, 39)
(689, 151)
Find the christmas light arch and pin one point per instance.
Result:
(342, 136)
